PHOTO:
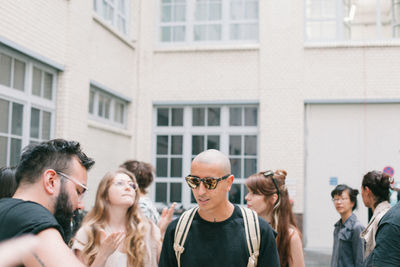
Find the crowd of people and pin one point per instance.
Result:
(40, 224)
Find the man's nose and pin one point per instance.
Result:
(81, 205)
(202, 189)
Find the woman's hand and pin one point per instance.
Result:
(110, 243)
(166, 218)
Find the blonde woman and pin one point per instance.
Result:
(115, 233)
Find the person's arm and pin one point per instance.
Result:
(166, 218)
(296, 251)
(52, 251)
(358, 246)
(14, 250)
(268, 252)
(387, 250)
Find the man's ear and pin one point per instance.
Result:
(50, 181)
(229, 181)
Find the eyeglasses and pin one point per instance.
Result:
(84, 187)
(337, 200)
(121, 183)
(209, 182)
(270, 173)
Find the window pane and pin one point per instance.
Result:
(161, 192)
(235, 145)
(250, 167)
(179, 33)
(176, 167)
(119, 112)
(236, 167)
(214, 32)
(200, 32)
(166, 13)
(250, 116)
(215, 11)
(176, 192)
(162, 167)
(4, 108)
(214, 116)
(36, 81)
(250, 145)
(179, 13)
(213, 142)
(3, 151)
(91, 102)
(107, 106)
(234, 194)
(15, 151)
(5, 70)
(245, 192)
(48, 86)
(46, 125)
(197, 144)
(201, 10)
(16, 121)
(176, 144)
(162, 117)
(162, 144)
(177, 117)
(198, 116)
(235, 116)
(236, 9)
(251, 10)
(35, 121)
(19, 75)
(166, 34)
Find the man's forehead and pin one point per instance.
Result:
(202, 169)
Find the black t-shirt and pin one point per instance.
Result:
(18, 217)
(387, 249)
(219, 244)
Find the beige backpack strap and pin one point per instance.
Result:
(181, 231)
(252, 229)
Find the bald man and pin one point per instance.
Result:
(216, 236)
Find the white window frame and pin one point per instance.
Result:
(115, 99)
(343, 22)
(187, 131)
(27, 99)
(98, 7)
(190, 22)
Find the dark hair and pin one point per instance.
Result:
(8, 185)
(143, 172)
(379, 184)
(352, 193)
(268, 183)
(54, 154)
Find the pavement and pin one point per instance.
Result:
(316, 258)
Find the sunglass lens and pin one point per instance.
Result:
(193, 182)
(210, 183)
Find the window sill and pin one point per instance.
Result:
(92, 123)
(205, 47)
(355, 44)
(108, 27)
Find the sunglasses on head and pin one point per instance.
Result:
(209, 182)
(268, 174)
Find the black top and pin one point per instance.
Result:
(219, 244)
(387, 249)
(18, 217)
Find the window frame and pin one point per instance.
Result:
(27, 99)
(100, 91)
(98, 8)
(187, 131)
(190, 22)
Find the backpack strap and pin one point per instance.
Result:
(181, 231)
(252, 229)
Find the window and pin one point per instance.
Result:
(27, 105)
(194, 21)
(114, 12)
(183, 132)
(332, 20)
(107, 107)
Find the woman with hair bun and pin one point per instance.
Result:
(269, 197)
(348, 246)
(375, 194)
